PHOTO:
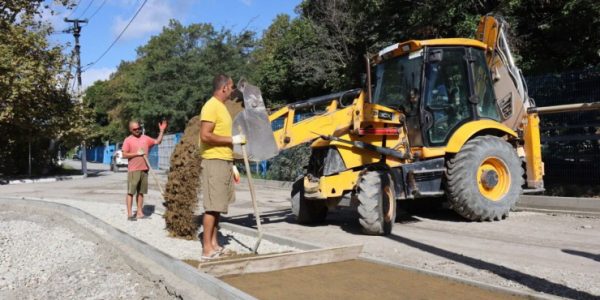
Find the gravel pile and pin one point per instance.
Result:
(46, 257)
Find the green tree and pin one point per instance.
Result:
(547, 36)
(35, 109)
(170, 78)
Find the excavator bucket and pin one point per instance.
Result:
(254, 123)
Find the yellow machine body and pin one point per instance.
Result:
(433, 103)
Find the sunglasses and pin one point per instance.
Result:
(136, 129)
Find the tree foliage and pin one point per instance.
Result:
(170, 79)
(35, 108)
(547, 36)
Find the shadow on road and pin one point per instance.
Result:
(345, 217)
(591, 256)
(535, 283)
(223, 240)
(275, 216)
(148, 210)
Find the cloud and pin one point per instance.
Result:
(246, 2)
(151, 19)
(94, 74)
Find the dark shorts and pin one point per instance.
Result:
(137, 182)
(217, 184)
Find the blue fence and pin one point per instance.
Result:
(159, 156)
(104, 154)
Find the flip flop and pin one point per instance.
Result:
(132, 218)
(213, 256)
(144, 217)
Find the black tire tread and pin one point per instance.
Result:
(372, 217)
(464, 198)
(306, 211)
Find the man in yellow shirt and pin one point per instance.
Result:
(216, 149)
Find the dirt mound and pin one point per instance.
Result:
(183, 184)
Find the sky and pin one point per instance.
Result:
(107, 18)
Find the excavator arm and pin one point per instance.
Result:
(332, 118)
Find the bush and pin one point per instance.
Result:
(289, 164)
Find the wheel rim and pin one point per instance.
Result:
(493, 178)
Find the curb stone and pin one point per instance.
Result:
(179, 277)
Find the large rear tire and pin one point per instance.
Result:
(484, 179)
(377, 202)
(306, 211)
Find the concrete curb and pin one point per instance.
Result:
(573, 205)
(186, 280)
(42, 180)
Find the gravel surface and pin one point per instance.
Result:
(152, 231)
(44, 257)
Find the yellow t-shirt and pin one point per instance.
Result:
(216, 112)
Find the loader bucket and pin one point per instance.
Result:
(254, 123)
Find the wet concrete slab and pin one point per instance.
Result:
(356, 279)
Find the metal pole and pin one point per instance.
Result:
(575, 107)
(252, 195)
(76, 35)
(369, 92)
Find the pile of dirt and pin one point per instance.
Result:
(183, 184)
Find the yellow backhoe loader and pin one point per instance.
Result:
(441, 118)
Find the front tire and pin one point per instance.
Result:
(484, 180)
(306, 211)
(377, 202)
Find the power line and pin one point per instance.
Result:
(96, 11)
(86, 9)
(118, 37)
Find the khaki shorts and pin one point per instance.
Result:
(137, 182)
(217, 184)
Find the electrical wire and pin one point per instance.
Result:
(96, 11)
(118, 37)
(86, 9)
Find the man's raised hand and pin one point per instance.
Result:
(162, 125)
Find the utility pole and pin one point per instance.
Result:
(76, 33)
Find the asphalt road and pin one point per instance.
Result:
(555, 254)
